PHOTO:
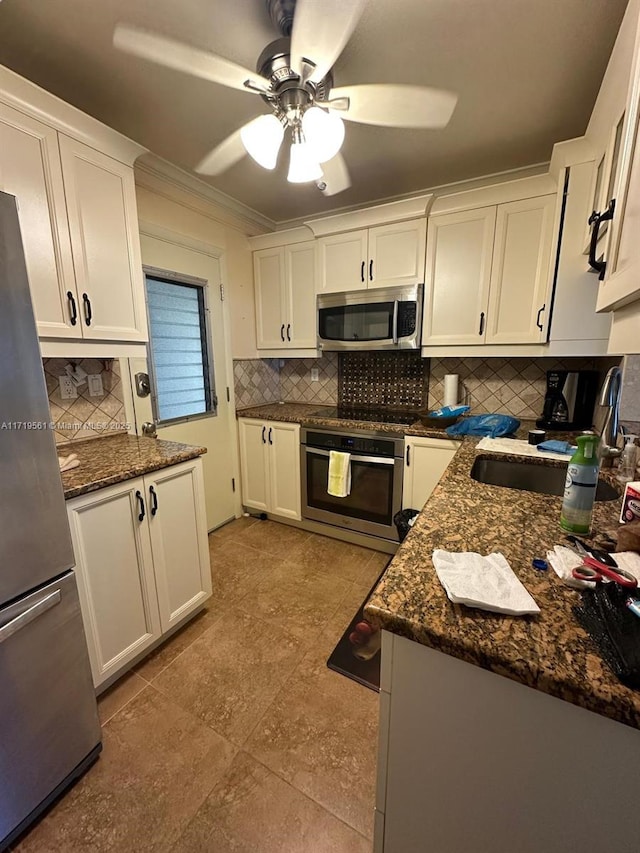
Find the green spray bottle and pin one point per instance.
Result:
(580, 486)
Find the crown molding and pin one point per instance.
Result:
(371, 215)
(165, 179)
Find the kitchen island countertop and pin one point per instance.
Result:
(549, 652)
(110, 460)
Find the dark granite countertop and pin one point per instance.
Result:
(105, 461)
(549, 652)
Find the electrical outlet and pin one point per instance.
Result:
(96, 388)
(314, 374)
(68, 390)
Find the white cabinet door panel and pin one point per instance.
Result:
(426, 460)
(177, 522)
(397, 253)
(458, 274)
(269, 272)
(101, 207)
(300, 301)
(114, 567)
(30, 170)
(254, 463)
(342, 262)
(520, 272)
(284, 469)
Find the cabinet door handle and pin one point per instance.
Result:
(288, 331)
(362, 272)
(72, 308)
(153, 496)
(540, 310)
(481, 329)
(140, 506)
(595, 221)
(270, 431)
(87, 309)
(264, 429)
(371, 270)
(282, 331)
(408, 455)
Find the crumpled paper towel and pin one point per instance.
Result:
(563, 560)
(484, 582)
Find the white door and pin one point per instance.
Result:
(216, 431)
(397, 253)
(300, 295)
(283, 441)
(269, 277)
(342, 262)
(425, 461)
(103, 220)
(458, 273)
(254, 463)
(520, 274)
(178, 527)
(114, 568)
(30, 170)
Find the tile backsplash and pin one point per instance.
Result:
(391, 379)
(86, 416)
(296, 385)
(256, 381)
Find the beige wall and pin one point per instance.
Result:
(203, 225)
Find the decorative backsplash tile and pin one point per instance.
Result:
(515, 386)
(256, 381)
(296, 385)
(393, 379)
(85, 416)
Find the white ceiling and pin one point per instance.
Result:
(527, 72)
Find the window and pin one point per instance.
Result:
(180, 361)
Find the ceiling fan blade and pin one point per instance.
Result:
(390, 105)
(335, 176)
(225, 155)
(183, 57)
(320, 32)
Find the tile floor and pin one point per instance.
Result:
(234, 735)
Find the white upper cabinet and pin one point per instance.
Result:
(103, 222)
(342, 261)
(30, 170)
(285, 279)
(458, 275)
(520, 274)
(373, 257)
(397, 253)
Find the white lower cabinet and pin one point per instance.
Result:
(425, 461)
(139, 572)
(270, 462)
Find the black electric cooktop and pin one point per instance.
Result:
(402, 417)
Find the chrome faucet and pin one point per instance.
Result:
(610, 399)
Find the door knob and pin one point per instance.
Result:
(149, 429)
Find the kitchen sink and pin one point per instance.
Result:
(529, 477)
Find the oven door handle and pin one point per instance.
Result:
(377, 460)
(395, 322)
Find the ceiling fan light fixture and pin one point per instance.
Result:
(303, 165)
(324, 132)
(262, 139)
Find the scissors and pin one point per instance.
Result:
(593, 570)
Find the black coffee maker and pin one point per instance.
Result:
(569, 400)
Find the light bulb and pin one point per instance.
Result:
(303, 165)
(324, 133)
(262, 138)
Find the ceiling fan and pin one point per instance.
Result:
(294, 78)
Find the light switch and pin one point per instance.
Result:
(314, 374)
(68, 390)
(96, 388)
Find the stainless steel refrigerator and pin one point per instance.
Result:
(49, 729)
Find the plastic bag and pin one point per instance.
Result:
(490, 425)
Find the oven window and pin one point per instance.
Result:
(371, 497)
(372, 322)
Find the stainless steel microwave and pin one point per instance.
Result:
(381, 318)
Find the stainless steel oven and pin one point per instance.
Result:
(384, 318)
(377, 464)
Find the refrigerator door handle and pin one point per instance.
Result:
(29, 615)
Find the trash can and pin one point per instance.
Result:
(401, 520)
